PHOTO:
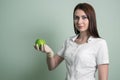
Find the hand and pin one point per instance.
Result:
(44, 48)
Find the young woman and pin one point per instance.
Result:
(83, 53)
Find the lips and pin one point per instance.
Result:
(80, 27)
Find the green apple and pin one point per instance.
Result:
(40, 42)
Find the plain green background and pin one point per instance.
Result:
(23, 21)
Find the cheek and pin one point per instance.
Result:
(87, 24)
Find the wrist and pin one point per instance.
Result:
(50, 55)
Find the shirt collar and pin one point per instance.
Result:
(74, 37)
(89, 39)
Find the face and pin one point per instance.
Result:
(81, 21)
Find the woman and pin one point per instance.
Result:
(83, 53)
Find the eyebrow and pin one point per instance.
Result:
(83, 16)
(78, 16)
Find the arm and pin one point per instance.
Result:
(103, 72)
(52, 60)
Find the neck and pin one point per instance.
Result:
(83, 35)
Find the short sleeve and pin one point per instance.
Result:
(102, 55)
(62, 50)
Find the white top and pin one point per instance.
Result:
(82, 59)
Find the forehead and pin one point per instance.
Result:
(79, 12)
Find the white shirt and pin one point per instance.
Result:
(82, 59)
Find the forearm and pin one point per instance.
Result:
(51, 61)
(103, 72)
(103, 78)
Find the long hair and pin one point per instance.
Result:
(89, 11)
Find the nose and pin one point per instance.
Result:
(80, 21)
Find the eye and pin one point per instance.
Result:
(76, 17)
(84, 17)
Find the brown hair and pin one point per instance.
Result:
(89, 11)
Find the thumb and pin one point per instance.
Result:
(47, 49)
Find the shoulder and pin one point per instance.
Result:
(100, 41)
(97, 40)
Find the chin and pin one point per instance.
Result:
(83, 30)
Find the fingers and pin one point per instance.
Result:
(36, 46)
(43, 48)
(39, 48)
